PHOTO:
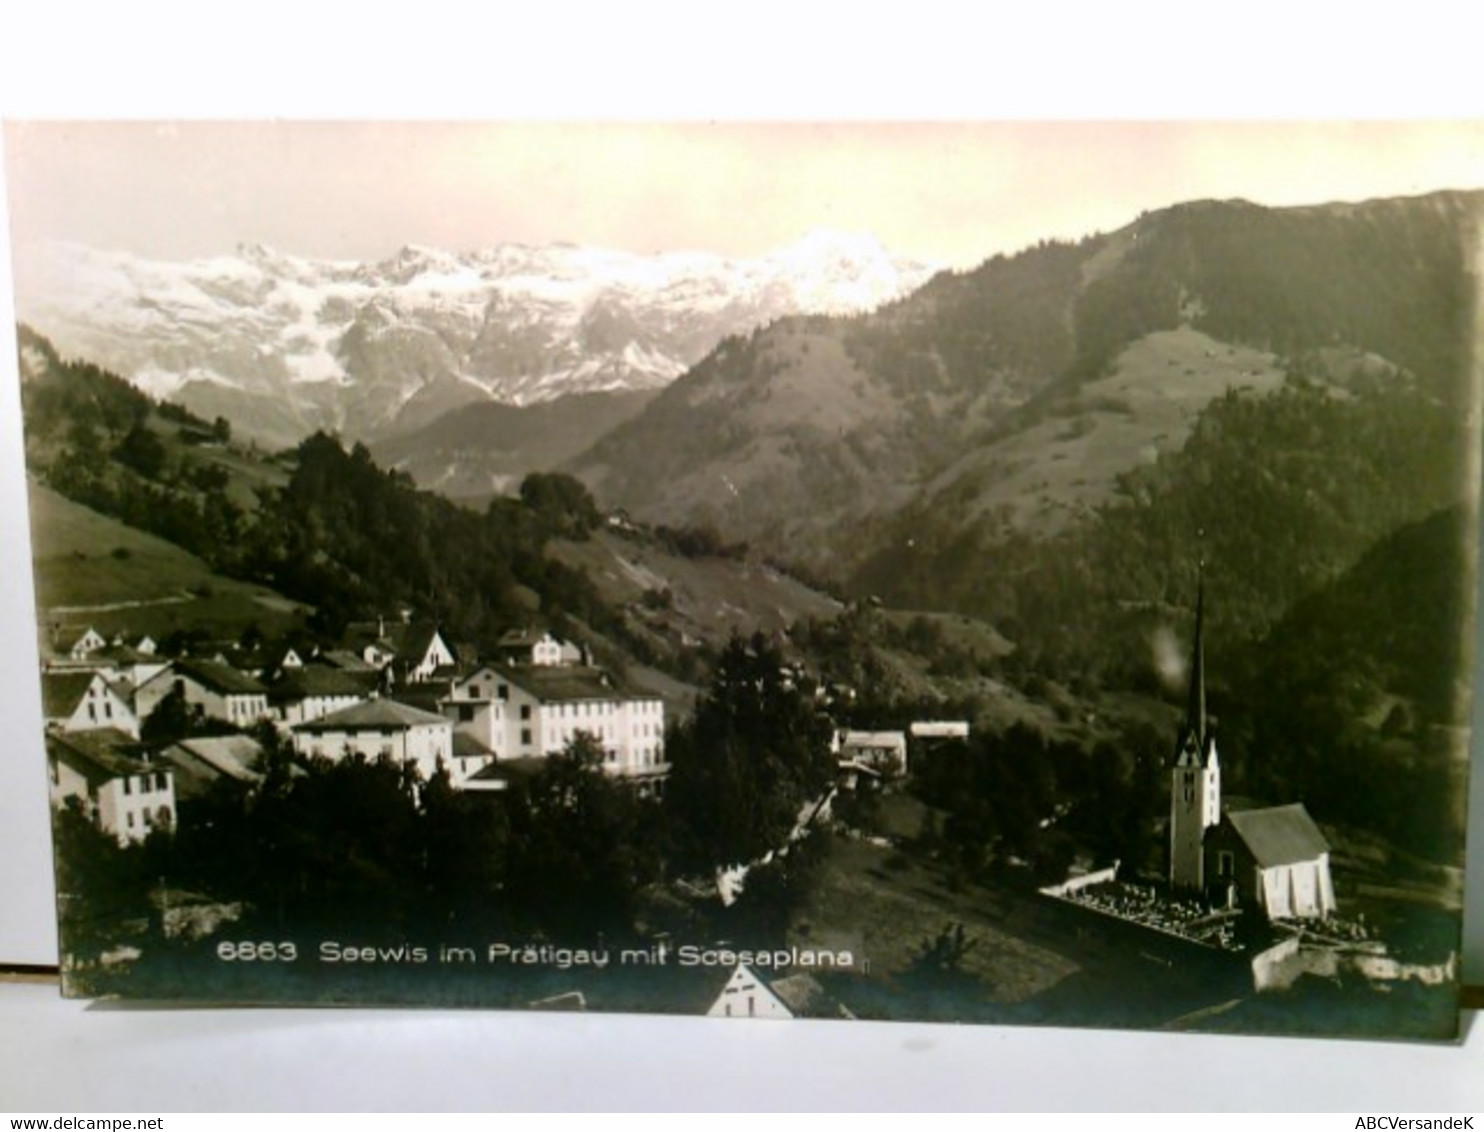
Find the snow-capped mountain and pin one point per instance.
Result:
(282, 345)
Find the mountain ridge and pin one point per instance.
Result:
(919, 398)
(284, 345)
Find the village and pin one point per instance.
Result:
(136, 737)
(395, 690)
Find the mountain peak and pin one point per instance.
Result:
(284, 345)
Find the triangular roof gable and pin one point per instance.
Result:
(419, 642)
(743, 978)
(61, 692)
(88, 640)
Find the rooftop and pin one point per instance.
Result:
(377, 714)
(220, 677)
(318, 680)
(102, 754)
(228, 755)
(61, 691)
(1279, 835)
(568, 683)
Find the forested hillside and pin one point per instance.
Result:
(845, 443)
(321, 524)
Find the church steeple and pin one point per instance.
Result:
(1195, 733)
(1195, 779)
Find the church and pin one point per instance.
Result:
(1272, 859)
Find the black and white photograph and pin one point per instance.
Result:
(974, 572)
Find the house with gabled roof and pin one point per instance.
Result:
(308, 692)
(214, 689)
(85, 701)
(749, 995)
(884, 753)
(536, 646)
(535, 711)
(115, 785)
(414, 651)
(383, 728)
(86, 643)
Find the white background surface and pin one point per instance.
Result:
(762, 60)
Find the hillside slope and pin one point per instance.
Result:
(94, 570)
(485, 449)
(808, 436)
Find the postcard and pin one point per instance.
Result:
(1009, 573)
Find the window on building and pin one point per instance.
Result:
(525, 736)
(525, 711)
(466, 713)
(504, 691)
(128, 785)
(160, 780)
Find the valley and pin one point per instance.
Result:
(889, 614)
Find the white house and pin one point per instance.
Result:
(123, 794)
(930, 729)
(383, 728)
(88, 642)
(537, 647)
(85, 701)
(747, 996)
(308, 692)
(215, 690)
(882, 752)
(415, 651)
(537, 710)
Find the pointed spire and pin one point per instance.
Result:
(1195, 709)
(1193, 746)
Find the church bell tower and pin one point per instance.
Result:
(1195, 779)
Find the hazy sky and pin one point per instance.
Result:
(953, 193)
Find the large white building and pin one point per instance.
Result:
(537, 710)
(382, 728)
(120, 792)
(213, 689)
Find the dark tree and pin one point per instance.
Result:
(143, 451)
(561, 503)
(744, 770)
(582, 845)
